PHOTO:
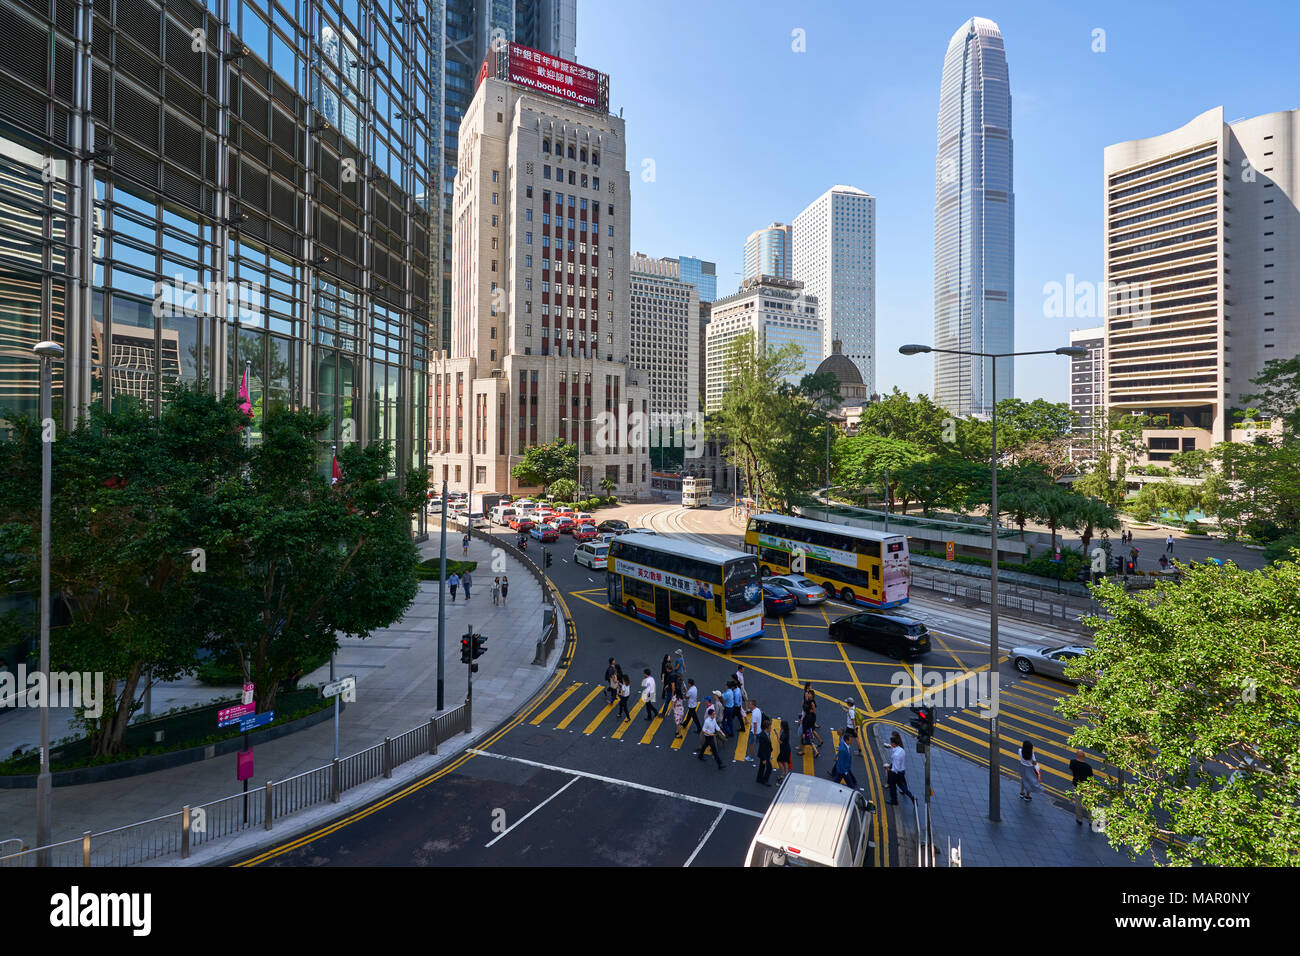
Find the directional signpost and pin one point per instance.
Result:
(235, 715)
(344, 688)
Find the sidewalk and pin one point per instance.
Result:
(1041, 833)
(396, 672)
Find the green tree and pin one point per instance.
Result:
(131, 496)
(545, 464)
(564, 489)
(1196, 703)
(608, 485)
(862, 460)
(1279, 394)
(1090, 515)
(1037, 423)
(294, 560)
(917, 420)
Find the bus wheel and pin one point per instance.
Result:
(692, 632)
(847, 596)
(828, 588)
(630, 609)
(763, 571)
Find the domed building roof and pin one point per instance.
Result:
(841, 366)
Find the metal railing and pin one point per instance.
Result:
(193, 826)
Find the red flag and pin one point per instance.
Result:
(335, 473)
(245, 405)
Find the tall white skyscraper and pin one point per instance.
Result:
(834, 246)
(974, 222)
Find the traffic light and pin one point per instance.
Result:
(546, 558)
(464, 650)
(478, 647)
(924, 724)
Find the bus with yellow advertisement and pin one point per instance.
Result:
(705, 593)
(863, 567)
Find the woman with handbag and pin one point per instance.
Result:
(1031, 777)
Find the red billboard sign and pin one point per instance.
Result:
(549, 74)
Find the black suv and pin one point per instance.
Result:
(890, 634)
(613, 524)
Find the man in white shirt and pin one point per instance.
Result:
(648, 695)
(692, 698)
(711, 733)
(897, 769)
(851, 726)
(755, 728)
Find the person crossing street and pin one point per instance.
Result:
(709, 738)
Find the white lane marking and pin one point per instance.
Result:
(705, 839)
(531, 812)
(620, 783)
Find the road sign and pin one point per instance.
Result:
(233, 715)
(248, 694)
(345, 686)
(253, 721)
(952, 551)
(244, 765)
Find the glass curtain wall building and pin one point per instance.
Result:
(974, 222)
(194, 190)
(701, 274)
(767, 252)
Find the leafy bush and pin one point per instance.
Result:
(431, 569)
(1280, 550)
(1195, 528)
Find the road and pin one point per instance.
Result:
(566, 783)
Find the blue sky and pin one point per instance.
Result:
(744, 131)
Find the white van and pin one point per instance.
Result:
(813, 822)
(593, 554)
(502, 514)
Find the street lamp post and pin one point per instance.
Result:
(48, 352)
(994, 653)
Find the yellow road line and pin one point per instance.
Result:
(862, 691)
(1037, 691)
(649, 734)
(600, 717)
(556, 703)
(635, 712)
(789, 655)
(950, 651)
(581, 705)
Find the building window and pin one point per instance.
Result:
(528, 241)
(528, 192)
(571, 178)
(494, 199)
(528, 264)
(595, 182)
(494, 225)
(546, 146)
(494, 269)
(546, 172)
(528, 217)
(494, 175)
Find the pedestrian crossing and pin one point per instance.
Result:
(584, 708)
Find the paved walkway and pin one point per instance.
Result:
(396, 672)
(1039, 833)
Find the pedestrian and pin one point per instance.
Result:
(764, 751)
(692, 699)
(624, 692)
(810, 725)
(648, 695)
(465, 582)
(679, 713)
(739, 678)
(666, 677)
(1080, 771)
(505, 588)
(496, 590)
(464, 544)
(453, 583)
(843, 769)
(783, 758)
(1169, 543)
(1164, 562)
(897, 769)
(679, 668)
(611, 681)
(709, 738)
(1031, 778)
(755, 729)
(728, 708)
(851, 725)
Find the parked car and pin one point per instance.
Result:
(612, 524)
(544, 532)
(1048, 661)
(890, 634)
(807, 592)
(593, 554)
(585, 532)
(777, 600)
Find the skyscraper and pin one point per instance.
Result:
(834, 245)
(664, 335)
(701, 274)
(767, 252)
(974, 222)
(1088, 391)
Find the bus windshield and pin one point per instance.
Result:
(741, 585)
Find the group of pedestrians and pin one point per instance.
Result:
(500, 586)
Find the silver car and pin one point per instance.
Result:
(1048, 661)
(805, 591)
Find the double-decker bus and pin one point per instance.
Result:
(696, 492)
(706, 593)
(870, 568)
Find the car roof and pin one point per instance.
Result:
(897, 618)
(809, 812)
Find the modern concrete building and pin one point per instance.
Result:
(778, 313)
(974, 222)
(470, 28)
(1202, 255)
(280, 169)
(701, 274)
(834, 245)
(768, 252)
(540, 290)
(1088, 390)
(664, 336)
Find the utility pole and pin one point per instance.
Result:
(442, 594)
